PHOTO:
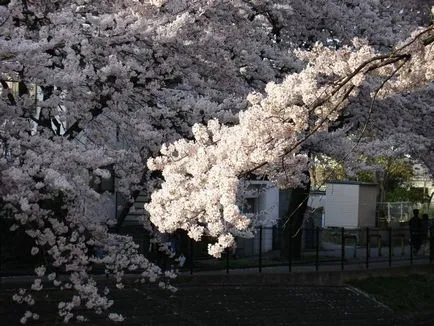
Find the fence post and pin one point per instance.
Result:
(1, 263)
(227, 260)
(402, 211)
(379, 246)
(260, 249)
(411, 250)
(431, 244)
(368, 249)
(390, 246)
(317, 248)
(342, 248)
(290, 252)
(191, 256)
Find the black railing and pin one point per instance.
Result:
(332, 248)
(322, 249)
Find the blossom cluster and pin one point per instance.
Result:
(202, 176)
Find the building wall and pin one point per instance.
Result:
(341, 205)
(367, 205)
(269, 205)
(266, 202)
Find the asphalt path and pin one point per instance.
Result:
(226, 305)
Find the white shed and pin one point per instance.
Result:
(350, 204)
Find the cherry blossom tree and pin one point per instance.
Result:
(92, 90)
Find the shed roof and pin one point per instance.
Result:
(350, 182)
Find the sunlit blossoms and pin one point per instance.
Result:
(202, 176)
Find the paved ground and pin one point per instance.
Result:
(232, 305)
(244, 297)
(280, 306)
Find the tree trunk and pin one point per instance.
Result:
(291, 226)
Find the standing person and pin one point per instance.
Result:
(415, 225)
(425, 233)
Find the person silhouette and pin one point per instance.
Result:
(415, 226)
(425, 233)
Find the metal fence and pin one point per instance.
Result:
(336, 248)
(322, 249)
(395, 212)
